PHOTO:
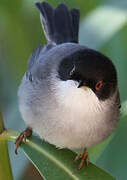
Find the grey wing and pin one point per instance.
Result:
(33, 71)
(37, 53)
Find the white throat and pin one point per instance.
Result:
(81, 99)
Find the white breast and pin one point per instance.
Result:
(71, 117)
(84, 119)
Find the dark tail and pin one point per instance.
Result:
(60, 25)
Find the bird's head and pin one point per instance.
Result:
(92, 71)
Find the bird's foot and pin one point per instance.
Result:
(23, 136)
(84, 158)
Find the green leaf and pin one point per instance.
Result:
(56, 163)
(5, 169)
(100, 25)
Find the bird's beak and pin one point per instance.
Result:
(80, 83)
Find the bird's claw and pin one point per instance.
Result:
(22, 137)
(84, 158)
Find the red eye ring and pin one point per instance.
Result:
(99, 85)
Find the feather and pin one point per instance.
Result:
(60, 24)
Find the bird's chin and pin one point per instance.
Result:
(85, 88)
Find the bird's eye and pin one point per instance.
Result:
(99, 85)
(72, 71)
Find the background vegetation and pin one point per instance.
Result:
(103, 27)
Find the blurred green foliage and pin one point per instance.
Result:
(21, 33)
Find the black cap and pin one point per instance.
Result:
(93, 69)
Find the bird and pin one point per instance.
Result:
(69, 95)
